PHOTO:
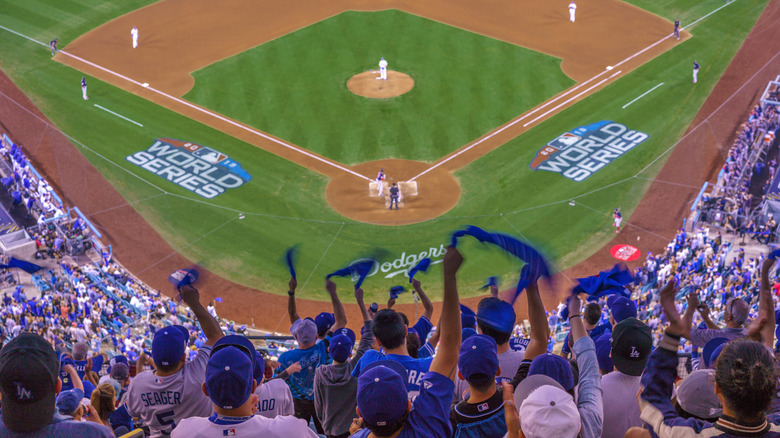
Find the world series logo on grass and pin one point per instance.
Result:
(583, 151)
(199, 169)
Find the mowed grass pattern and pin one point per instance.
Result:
(295, 87)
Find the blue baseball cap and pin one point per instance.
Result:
(229, 377)
(622, 308)
(496, 314)
(119, 358)
(382, 397)
(467, 317)
(169, 344)
(467, 333)
(324, 321)
(348, 333)
(478, 355)
(245, 345)
(69, 401)
(340, 347)
(555, 367)
(709, 348)
(603, 350)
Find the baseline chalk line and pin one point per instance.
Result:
(119, 115)
(642, 95)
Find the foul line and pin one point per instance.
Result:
(198, 108)
(119, 115)
(598, 84)
(642, 95)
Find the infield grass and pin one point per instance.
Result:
(284, 204)
(294, 87)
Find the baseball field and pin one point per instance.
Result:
(230, 133)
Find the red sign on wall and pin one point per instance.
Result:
(626, 253)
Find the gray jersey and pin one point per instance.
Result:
(274, 398)
(256, 426)
(162, 402)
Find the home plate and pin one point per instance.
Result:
(146, 84)
(609, 67)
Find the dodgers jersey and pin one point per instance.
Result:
(255, 426)
(274, 399)
(302, 383)
(81, 369)
(163, 402)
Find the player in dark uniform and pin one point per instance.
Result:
(695, 71)
(393, 196)
(53, 46)
(677, 28)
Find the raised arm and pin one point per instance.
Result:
(208, 323)
(762, 328)
(291, 309)
(362, 305)
(575, 319)
(338, 309)
(540, 331)
(426, 302)
(446, 360)
(74, 377)
(693, 304)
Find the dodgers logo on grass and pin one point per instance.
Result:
(199, 169)
(583, 151)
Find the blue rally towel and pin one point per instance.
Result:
(421, 266)
(491, 281)
(360, 270)
(396, 290)
(610, 282)
(25, 266)
(289, 259)
(774, 254)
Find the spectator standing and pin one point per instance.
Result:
(632, 343)
(172, 392)
(335, 389)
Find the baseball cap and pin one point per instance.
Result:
(120, 372)
(622, 308)
(168, 345)
(304, 331)
(603, 349)
(68, 401)
(478, 358)
(346, 332)
(229, 377)
(467, 317)
(496, 314)
(467, 333)
(709, 348)
(340, 348)
(28, 380)
(554, 367)
(324, 321)
(80, 350)
(546, 409)
(738, 309)
(119, 358)
(632, 343)
(381, 392)
(696, 395)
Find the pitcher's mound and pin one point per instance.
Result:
(366, 84)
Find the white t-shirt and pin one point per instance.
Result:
(256, 426)
(274, 399)
(163, 402)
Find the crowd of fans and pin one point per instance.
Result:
(744, 183)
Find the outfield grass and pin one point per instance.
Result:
(295, 86)
(284, 203)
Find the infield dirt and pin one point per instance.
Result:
(654, 221)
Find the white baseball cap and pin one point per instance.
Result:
(545, 409)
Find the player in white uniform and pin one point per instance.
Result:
(134, 33)
(618, 216)
(173, 392)
(84, 88)
(380, 177)
(382, 69)
(572, 9)
(229, 385)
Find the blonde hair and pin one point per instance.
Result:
(103, 399)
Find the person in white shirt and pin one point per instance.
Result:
(572, 9)
(134, 34)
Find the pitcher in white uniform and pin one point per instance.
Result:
(382, 69)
